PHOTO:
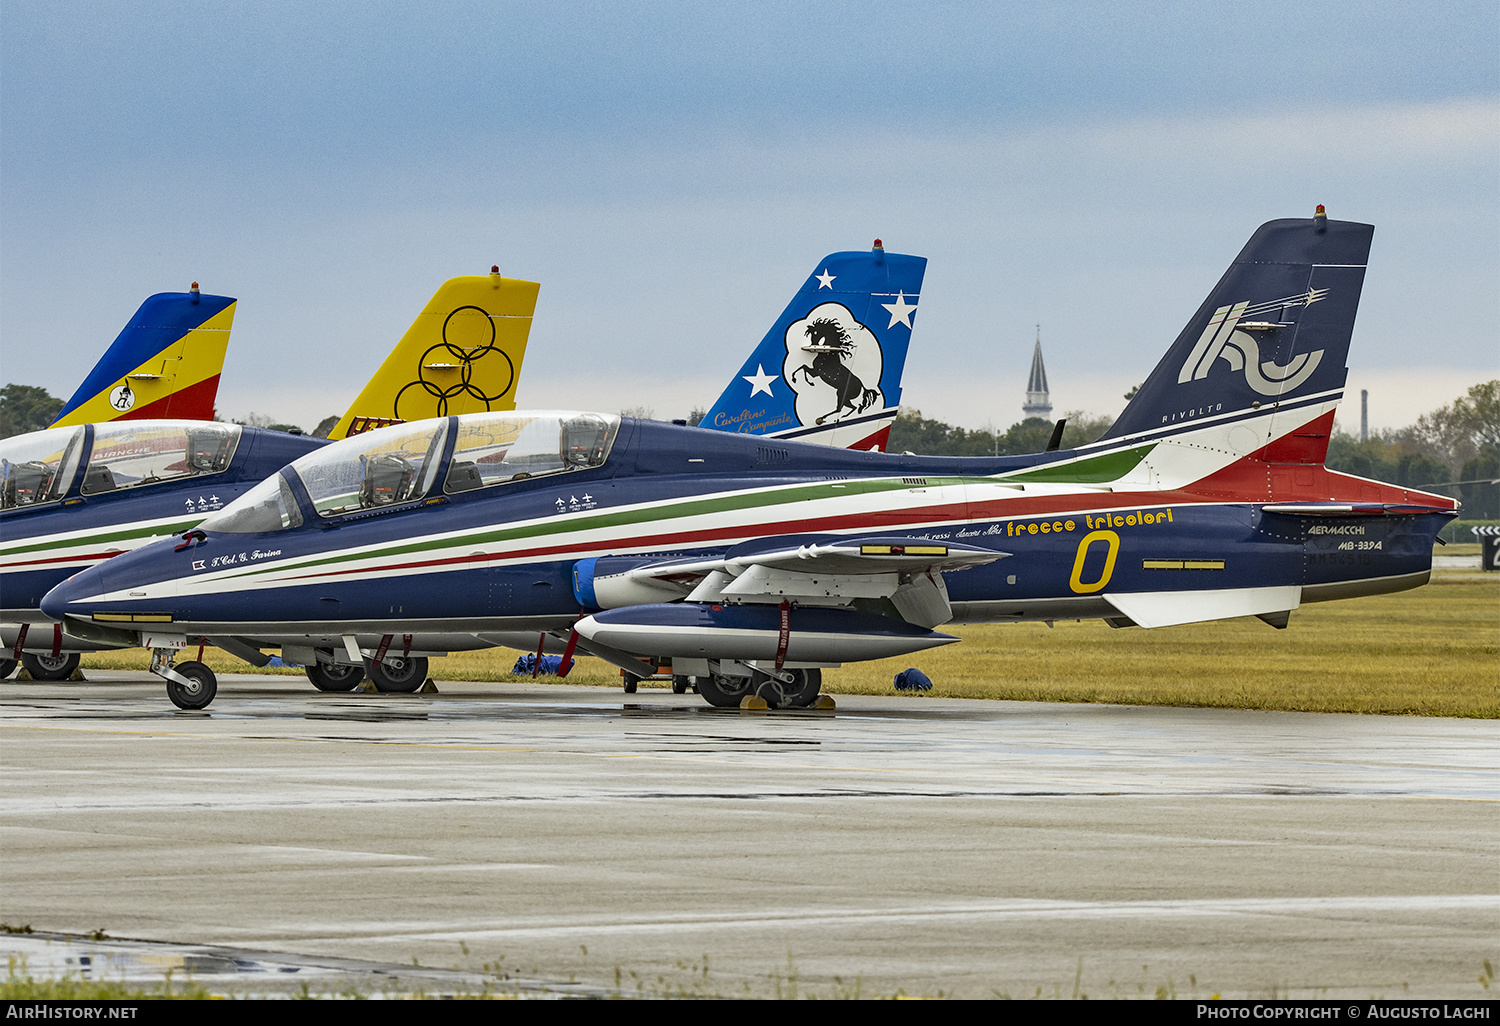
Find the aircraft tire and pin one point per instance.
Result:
(196, 695)
(7, 667)
(631, 684)
(723, 692)
(800, 693)
(335, 676)
(46, 667)
(402, 675)
(681, 683)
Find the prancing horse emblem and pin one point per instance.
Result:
(833, 348)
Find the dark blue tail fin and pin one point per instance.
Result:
(1273, 335)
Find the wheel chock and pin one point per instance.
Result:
(753, 703)
(77, 675)
(24, 674)
(429, 687)
(367, 687)
(825, 702)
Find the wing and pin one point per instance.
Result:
(807, 571)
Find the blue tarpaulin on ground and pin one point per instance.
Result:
(913, 680)
(527, 663)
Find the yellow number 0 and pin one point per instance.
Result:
(1110, 539)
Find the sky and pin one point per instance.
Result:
(671, 175)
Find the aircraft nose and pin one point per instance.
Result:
(69, 597)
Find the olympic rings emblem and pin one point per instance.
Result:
(465, 357)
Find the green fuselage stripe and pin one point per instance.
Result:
(650, 514)
(1109, 466)
(134, 531)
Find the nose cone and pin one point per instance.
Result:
(71, 597)
(134, 582)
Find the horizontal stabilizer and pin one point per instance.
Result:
(1353, 509)
(1169, 608)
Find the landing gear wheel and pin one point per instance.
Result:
(682, 683)
(721, 691)
(401, 675)
(46, 667)
(7, 667)
(799, 694)
(335, 676)
(198, 692)
(631, 684)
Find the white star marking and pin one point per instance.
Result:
(760, 382)
(825, 280)
(899, 310)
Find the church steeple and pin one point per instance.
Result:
(1038, 401)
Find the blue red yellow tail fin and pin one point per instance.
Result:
(462, 354)
(165, 363)
(829, 370)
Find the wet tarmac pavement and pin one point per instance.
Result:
(562, 837)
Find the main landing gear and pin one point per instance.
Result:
(399, 674)
(50, 667)
(797, 692)
(335, 676)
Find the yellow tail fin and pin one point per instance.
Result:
(462, 354)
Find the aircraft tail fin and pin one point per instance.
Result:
(462, 354)
(829, 370)
(166, 362)
(1263, 361)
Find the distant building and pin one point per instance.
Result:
(1038, 400)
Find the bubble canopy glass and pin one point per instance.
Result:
(39, 466)
(400, 464)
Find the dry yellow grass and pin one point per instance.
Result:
(1434, 651)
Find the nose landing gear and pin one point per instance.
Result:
(190, 685)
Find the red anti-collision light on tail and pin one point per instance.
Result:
(494, 268)
(878, 245)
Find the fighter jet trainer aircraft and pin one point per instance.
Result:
(755, 563)
(462, 354)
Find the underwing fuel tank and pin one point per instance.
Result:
(691, 630)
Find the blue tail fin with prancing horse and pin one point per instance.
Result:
(829, 370)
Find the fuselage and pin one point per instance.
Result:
(1095, 532)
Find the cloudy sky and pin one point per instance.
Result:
(671, 174)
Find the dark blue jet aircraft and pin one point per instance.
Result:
(755, 563)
